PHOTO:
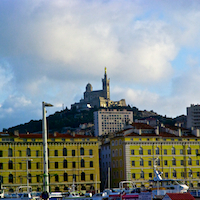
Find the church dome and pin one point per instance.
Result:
(88, 87)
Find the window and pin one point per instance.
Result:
(182, 174)
(198, 174)
(56, 178)
(90, 152)
(29, 164)
(38, 178)
(173, 151)
(1, 153)
(10, 178)
(190, 173)
(20, 165)
(91, 177)
(158, 162)
(166, 174)
(149, 162)
(133, 175)
(149, 151)
(82, 151)
(37, 153)
(82, 163)
(165, 162)
(1, 165)
(182, 162)
(65, 163)
(73, 153)
(133, 163)
(10, 152)
(73, 164)
(56, 153)
(38, 165)
(197, 162)
(189, 161)
(10, 165)
(181, 151)
(157, 151)
(141, 151)
(91, 163)
(20, 153)
(150, 175)
(141, 174)
(141, 162)
(132, 152)
(173, 161)
(29, 178)
(82, 176)
(56, 165)
(74, 177)
(64, 152)
(65, 177)
(189, 151)
(165, 151)
(174, 173)
(1, 179)
(120, 152)
(28, 152)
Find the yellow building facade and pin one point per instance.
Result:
(134, 150)
(70, 158)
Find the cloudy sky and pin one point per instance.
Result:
(50, 50)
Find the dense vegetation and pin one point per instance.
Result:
(73, 118)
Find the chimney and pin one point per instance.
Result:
(55, 134)
(140, 132)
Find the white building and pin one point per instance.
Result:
(110, 121)
(193, 116)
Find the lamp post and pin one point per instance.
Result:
(45, 153)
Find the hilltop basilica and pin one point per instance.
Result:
(98, 98)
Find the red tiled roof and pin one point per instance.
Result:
(141, 126)
(165, 134)
(180, 196)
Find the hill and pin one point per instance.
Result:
(73, 118)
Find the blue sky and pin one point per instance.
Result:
(50, 50)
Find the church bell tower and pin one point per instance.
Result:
(106, 85)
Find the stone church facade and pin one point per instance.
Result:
(98, 98)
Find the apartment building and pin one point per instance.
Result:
(111, 120)
(193, 116)
(70, 157)
(134, 150)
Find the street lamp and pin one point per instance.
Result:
(45, 153)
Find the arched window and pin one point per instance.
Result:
(120, 152)
(190, 173)
(65, 177)
(141, 162)
(116, 152)
(56, 178)
(10, 178)
(82, 151)
(189, 151)
(189, 161)
(173, 151)
(64, 152)
(82, 163)
(141, 151)
(65, 164)
(82, 176)
(10, 164)
(141, 174)
(10, 152)
(174, 173)
(157, 151)
(173, 161)
(28, 152)
(158, 162)
(57, 189)
(90, 152)
(29, 178)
